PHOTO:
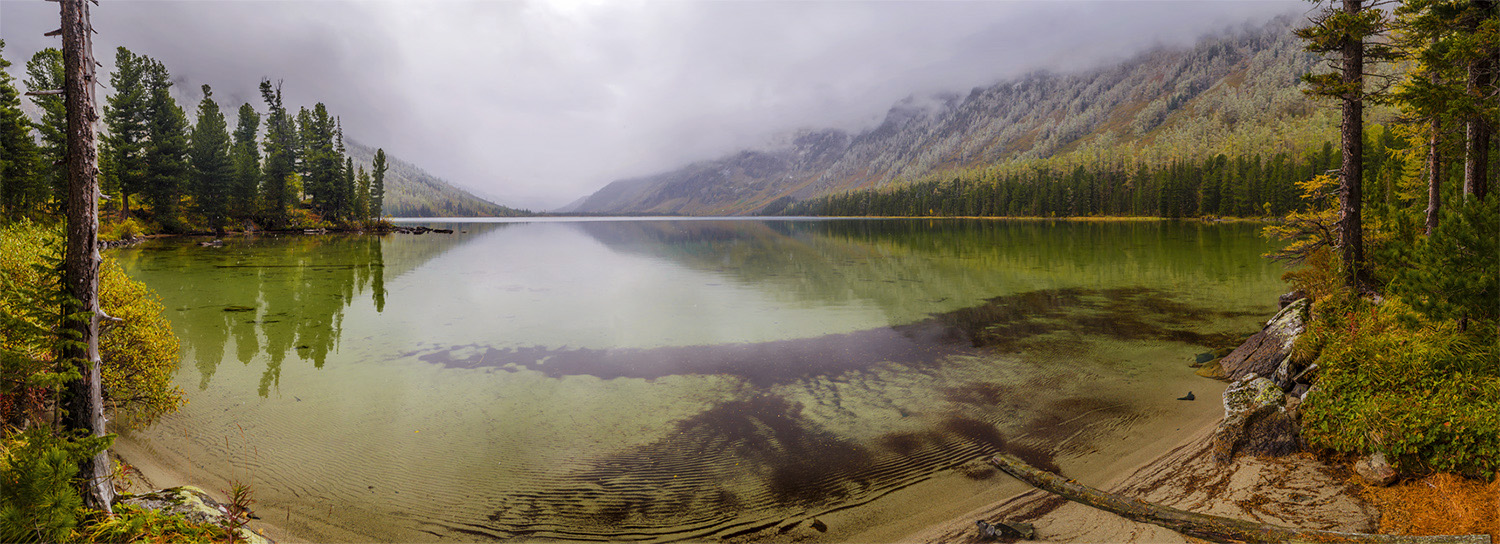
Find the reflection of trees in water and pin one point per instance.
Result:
(277, 295)
(906, 267)
(274, 296)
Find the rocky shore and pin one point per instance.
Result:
(1247, 465)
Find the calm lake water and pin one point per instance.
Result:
(673, 379)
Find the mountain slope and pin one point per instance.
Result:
(412, 192)
(1232, 92)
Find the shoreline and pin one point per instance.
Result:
(1298, 490)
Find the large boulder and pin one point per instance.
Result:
(1255, 421)
(1266, 351)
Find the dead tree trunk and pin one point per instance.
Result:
(1211, 528)
(85, 407)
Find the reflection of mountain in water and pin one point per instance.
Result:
(908, 267)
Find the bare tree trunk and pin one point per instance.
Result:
(1204, 526)
(81, 258)
(1477, 151)
(1434, 172)
(1351, 130)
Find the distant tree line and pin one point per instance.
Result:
(1220, 185)
(158, 168)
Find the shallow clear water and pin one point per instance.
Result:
(672, 379)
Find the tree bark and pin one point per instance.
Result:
(85, 407)
(1351, 131)
(1212, 528)
(1477, 131)
(1434, 171)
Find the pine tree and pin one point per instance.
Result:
(45, 72)
(21, 183)
(377, 184)
(246, 162)
(125, 117)
(166, 151)
(1347, 30)
(362, 195)
(281, 155)
(212, 169)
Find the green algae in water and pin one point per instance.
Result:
(659, 380)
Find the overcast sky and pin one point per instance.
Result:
(539, 103)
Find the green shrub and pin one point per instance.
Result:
(134, 524)
(1392, 380)
(38, 501)
(120, 230)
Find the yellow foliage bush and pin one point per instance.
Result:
(139, 353)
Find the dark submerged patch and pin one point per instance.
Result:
(1009, 323)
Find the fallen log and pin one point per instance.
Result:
(1207, 527)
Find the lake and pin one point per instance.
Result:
(688, 379)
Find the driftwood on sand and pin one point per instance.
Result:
(1207, 527)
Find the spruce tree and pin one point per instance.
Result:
(246, 162)
(212, 169)
(45, 72)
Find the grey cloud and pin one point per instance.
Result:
(539, 103)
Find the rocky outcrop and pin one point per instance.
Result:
(194, 505)
(1266, 352)
(1256, 421)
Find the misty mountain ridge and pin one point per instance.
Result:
(412, 192)
(1235, 92)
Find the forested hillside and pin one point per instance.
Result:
(412, 192)
(1235, 93)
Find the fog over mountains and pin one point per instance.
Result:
(1169, 101)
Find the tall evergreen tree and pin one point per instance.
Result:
(45, 72)
(125, 117)
(1477, 51)
(362, 195)
(1345, 29)
(22, 185)
(246, 159)
(166, 151)
(377, 184)
(281, 155)
(212, 169)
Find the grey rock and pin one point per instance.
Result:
(1298, 390)
(1289, 298)
(1375, 470)
(1264, 351)
(1255, 421)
